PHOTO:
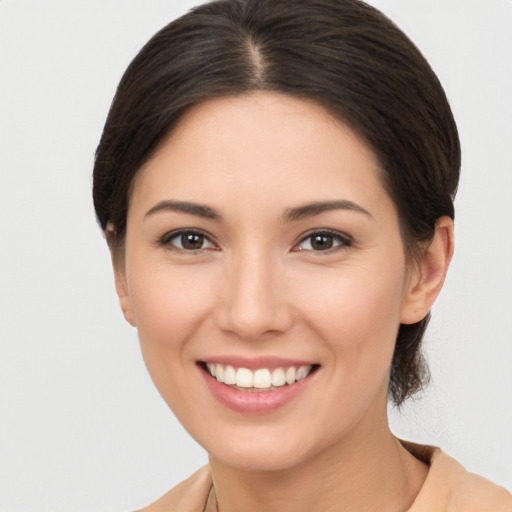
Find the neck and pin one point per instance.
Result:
(369, 470)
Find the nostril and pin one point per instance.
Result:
(252, 321)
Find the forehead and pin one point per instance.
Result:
(264, 145)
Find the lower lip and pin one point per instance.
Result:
(254, 402)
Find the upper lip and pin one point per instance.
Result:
(253, 363)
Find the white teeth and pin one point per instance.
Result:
(278, 377)
(262, 378)
(302, 372)
(229, 375)
(219, 372)
(290, 375)
(244, 378)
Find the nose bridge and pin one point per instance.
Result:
(253, 301)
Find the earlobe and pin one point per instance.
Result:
(117, 257)
(430, 273)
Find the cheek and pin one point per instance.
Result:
(164, 299)
(169, 305)
(357, 314)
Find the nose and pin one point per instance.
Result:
(253, 299)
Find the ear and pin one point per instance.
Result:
(429, 273)
(118, 264)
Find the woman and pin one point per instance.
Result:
(276, 180)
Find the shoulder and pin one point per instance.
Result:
(190, 495)
(477, 494)
(450, 488)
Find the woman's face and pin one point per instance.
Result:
(261, 246)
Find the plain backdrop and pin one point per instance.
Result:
(81, 426)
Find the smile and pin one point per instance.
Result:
(258, 385)
(260, 379)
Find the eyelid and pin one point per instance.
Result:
(344, 239)
(165, 240)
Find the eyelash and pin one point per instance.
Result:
(343, 241)
(166, 241)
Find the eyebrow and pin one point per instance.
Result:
(290, 215)
(185, 207)
(316, 208)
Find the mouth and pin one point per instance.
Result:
(258, 380)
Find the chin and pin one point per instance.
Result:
(260, 460)
(260, 451)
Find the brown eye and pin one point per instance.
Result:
(187, 241)
(324, 241)
(192, 241)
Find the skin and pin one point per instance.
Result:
(258, 287)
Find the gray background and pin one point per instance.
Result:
(81, 426)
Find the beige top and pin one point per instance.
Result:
(448, 488)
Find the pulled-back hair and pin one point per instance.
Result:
(342, 54)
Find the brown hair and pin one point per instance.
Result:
(344, 55)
